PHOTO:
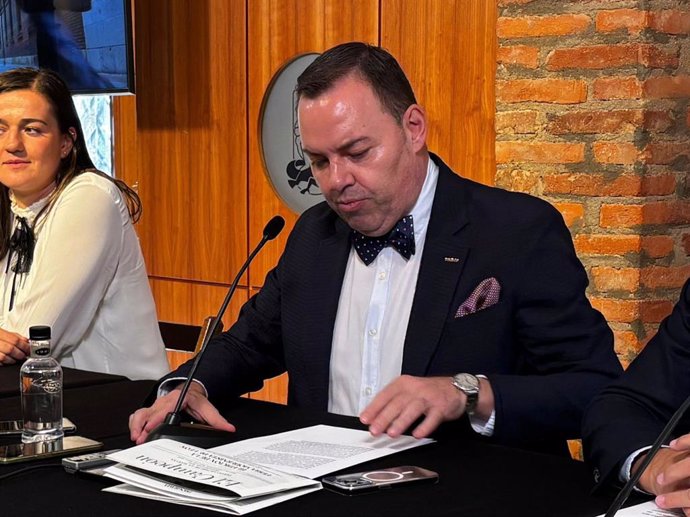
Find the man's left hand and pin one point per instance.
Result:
(406, 399)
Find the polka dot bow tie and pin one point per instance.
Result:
(401, 238)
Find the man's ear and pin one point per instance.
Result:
(414, 125)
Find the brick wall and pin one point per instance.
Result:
(592, 114)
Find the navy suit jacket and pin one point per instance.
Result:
(544, 348)
(631, 412)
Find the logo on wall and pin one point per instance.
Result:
(285, 164)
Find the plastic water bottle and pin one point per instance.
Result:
(41, 388)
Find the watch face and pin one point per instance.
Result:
(467, 381)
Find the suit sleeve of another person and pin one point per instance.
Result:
(567, 346)
(631, 412)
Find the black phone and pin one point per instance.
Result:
(12, 427)
(368, 481)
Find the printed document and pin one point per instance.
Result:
(176, 472)
(318, 450)
(249, 475)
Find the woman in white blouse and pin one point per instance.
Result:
(69, 256)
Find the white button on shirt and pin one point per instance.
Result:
(373, 312)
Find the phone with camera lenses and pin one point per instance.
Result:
(371, 480)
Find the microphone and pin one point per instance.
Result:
(203, 435)
(663, 436)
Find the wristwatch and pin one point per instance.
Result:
(469, 385)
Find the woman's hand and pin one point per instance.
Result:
(13, 347)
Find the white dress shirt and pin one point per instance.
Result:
(87, 282)
(373, 312)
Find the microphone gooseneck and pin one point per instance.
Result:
(198, 434)
(663, 436)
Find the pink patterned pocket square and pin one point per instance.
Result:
(484, 295)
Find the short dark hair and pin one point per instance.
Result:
(374, 65)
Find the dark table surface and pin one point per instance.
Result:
(476, 478)
(9, 379)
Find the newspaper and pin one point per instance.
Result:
(245, 476)
(176, 472)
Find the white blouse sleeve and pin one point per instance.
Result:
(77, 253)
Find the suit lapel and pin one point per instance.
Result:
(331, 260)
(443, 260)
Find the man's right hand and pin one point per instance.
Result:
(144, 420)
(668, 475)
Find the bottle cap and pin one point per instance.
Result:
(39, 332)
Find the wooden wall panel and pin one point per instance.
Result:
(190, 303)
(448, 50)
(274, 390)
(279, 30)
(125, 143)
(184, 138)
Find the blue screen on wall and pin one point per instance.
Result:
(88, 42)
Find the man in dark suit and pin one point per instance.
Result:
(411, 292)
(625, 419)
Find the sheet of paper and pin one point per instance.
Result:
(648, 509)
(238, 507)
(166, 487)
(318, 450)
(193, 464)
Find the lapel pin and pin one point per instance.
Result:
(451, 259)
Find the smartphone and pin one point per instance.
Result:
(91, 463)
(12, 427)
(16, 452)
(362, 482)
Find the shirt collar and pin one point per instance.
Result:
(421, 212)
(30, 212)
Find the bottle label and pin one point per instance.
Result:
(48, 385)
(41, 351)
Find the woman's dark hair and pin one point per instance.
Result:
(372, 64)
(78, 161)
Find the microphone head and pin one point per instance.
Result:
(273, 228)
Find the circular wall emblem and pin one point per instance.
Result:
(285, 164)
